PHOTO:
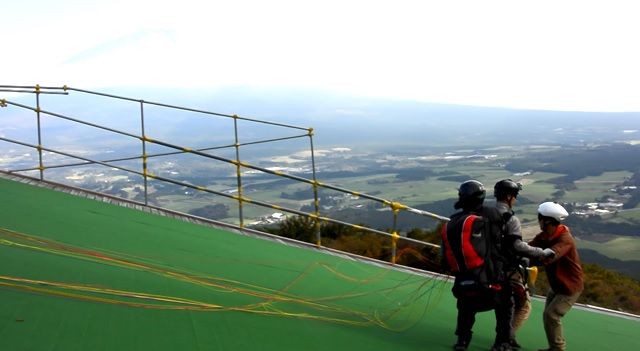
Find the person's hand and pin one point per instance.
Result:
(548, 253)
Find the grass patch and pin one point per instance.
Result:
(631, 214)
(621, 248)
(592, 188)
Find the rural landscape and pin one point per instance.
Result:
(593, 170)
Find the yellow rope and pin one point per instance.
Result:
(273, 302)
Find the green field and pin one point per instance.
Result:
(620, 248)
(631, 214)
(386, 185)
(592, 188)
(414, 193)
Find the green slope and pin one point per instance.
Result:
(80, 274)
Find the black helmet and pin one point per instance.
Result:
(506, 187)
(470, 194)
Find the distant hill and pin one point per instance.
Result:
(356, 120)
(629, 268)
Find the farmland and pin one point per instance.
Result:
(593, 183)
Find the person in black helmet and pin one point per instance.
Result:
(513, 249)
(471, 195)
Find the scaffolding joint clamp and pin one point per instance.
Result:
(396, 206)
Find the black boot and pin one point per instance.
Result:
(501, 346)
(462, 344)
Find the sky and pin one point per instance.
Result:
(552, 55)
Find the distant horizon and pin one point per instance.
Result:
(143, 92)
(337, 117)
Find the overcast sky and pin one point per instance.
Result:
(558, 55)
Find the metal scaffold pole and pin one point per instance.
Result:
(40, 164)
(316, 201)
(238, 171)
(144, 154)
(146, 175)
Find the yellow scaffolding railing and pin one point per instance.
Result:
(145, 173)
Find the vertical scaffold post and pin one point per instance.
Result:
(144, 154)
(394, 235)
(238, 170)
(40, 164)
(316, 201)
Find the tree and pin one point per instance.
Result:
(297, 227)
(217, 211)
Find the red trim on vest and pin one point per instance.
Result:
(471, 258)
(448, 253)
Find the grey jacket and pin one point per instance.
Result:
(513, 236)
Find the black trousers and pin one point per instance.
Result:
(500, 302)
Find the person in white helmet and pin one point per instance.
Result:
(564, 270)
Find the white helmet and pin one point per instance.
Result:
(553, 210)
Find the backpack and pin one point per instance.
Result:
(472, 250)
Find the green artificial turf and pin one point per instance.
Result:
(185, 286)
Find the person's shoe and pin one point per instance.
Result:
(461, 345)
(501, 347)
(514, 344)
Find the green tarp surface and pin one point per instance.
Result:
(81, 274)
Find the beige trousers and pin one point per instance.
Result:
(555, 308)
(521, 313)
(522, 302)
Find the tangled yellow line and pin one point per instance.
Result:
(269, 297)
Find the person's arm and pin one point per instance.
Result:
(537, 242)
(561, 246)
(514, 233)
(525, 249)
